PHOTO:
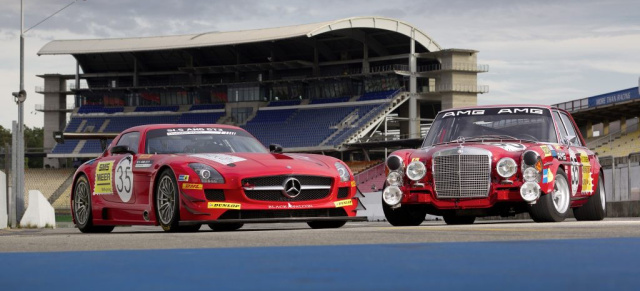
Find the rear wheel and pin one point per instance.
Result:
(167, 203)
(553, 207)
(596, 206)
(457, 220)
(326, 224)
(404, 215)
(225, 226)
(82, 208)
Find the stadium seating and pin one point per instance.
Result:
(622, 146)
(284, 103)
(206, 107)
(330, 100)
(156, 108)
(378, 95)
(98, 109)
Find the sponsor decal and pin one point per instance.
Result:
(549, 151)
(146, 156)
(144, 163)
(463, 112)
(191, 186)
(290, 206)
(223, 205)
(343, 203)
(220, 158)
(562, 156)
(183, 178)
(547, 176)
(415, 160)
(575, 172)
(520, 110)
(124, 178)
(496, 111)
(199, 130)
(103, 179)
(510, 147)
(587, 180)
(353, 183)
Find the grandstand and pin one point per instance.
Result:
(311, 88)
(614, 116)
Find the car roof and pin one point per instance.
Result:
(163, 126)
(499, 106)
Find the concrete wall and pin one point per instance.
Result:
(53, 120)
(3, 201)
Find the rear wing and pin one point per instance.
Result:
(60, 136)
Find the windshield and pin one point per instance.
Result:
(530, 124)
(197, 140)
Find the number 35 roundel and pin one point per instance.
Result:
(124, 178)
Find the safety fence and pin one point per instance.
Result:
(622, 177)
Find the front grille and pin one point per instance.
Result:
(343, 192)
(297, 213)
(279, 180)
(276, 195)
(214, 194)
(462, 176)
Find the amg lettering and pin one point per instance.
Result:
(520, 110)
(463, 112)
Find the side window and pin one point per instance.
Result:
(560, 124)
(571, 130)
(131, 140)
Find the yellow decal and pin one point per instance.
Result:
(343, 203)
(415, 159)
(103, 179)
(192, 186)
(353, 183)
(546, 151)
(223, 205)
(558, 147)
(144, 156)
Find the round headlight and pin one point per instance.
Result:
(206, 174)
(392, 195)
(394, 163)
(416, 170)
(530, 191)
(394, 179)
(506, 167)
(530, 175)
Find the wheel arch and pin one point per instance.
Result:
(154, 187)
(72, 194)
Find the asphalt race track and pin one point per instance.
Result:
(488, 255)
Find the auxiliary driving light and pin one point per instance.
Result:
(394, 179)
(392, 195)
(530, 191)
(416, 170)
(507, 167)
(530, 175)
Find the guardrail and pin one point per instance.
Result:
(42, 107)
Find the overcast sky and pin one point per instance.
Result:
(538, 51)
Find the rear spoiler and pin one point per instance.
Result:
(60, 136)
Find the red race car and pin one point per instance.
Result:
(183, 176)
(496, 160)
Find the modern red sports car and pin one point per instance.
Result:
(183, 176)
(496, 160)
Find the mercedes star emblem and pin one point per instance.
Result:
(292, 187)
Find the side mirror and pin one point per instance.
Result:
(122, 149)
(275, 148)
(570, 139)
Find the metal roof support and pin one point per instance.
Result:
(414, 130)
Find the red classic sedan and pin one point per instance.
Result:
(496, 160)
(183, 176)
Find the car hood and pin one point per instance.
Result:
(265, 163)
(512, 149)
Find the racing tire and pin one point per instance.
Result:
(82, 208)
(554, 206)
(326, 224)
(167, 202)
(596, 206)
(458, 220)
(404, 215)
(225, 226)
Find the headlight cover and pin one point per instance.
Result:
(206, 173)
(416, 170)
(343, 172)
(394, 179)
(506, 167)
(392, 195)
(530, 175)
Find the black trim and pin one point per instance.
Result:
(275, 220)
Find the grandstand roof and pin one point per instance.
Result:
(136, 44)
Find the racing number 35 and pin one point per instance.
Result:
(124, 178)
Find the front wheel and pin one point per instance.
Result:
(326, 224)
(167, 203)
(554, 206)
(82, 210)
(404, 215)
(596, 206)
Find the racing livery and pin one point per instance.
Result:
(183, 176)
(496, 160)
